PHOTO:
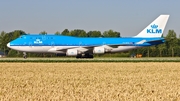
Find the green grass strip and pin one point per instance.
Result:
(85, 60)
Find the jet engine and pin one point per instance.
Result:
(99, 50)
(72, 52)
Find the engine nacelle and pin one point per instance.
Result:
(72, 52)
(99, 50)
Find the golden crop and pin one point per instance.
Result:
(90, 81)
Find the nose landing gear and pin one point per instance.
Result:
(24, 55)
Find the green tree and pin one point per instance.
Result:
(171, 42)
(161, 47)
(111, 33)
(78, 33)
(9, 37)
(94, 34)
(57, 33)
(153, 51)
(14, 53)
(65, 32)
(16, 34)
(43, 33)
(2, 41)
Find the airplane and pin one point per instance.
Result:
(85, 47)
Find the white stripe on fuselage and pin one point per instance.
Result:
(57, 49)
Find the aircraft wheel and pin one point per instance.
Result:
(89, 56)
(24, 55)
(79, 56)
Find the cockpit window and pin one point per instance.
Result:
(20, 36)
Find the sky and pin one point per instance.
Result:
(129, 17)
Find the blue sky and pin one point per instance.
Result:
(128, 17)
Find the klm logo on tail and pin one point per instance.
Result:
(154, 30)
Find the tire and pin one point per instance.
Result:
(79, 56)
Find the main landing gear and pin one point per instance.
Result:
(24, 55)
(84, 56)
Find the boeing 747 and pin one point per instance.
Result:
(83, 47)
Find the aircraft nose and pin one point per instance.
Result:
(8, 45)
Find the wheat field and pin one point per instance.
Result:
(90, 81)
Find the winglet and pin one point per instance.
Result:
(156, 28)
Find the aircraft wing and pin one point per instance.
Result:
(87, 48)
(107, 47)
(81, 48)
(64, 49)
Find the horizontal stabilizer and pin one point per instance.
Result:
(155, 41)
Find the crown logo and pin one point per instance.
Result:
(154, 26)
(37, 41)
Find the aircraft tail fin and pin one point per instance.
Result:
(156, 28)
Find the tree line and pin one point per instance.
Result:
(171, 47)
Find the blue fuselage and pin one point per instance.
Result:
(57, 40)
(75, 46)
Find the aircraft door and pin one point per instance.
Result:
(52, 44)
(25, 44)
(104, 43)
(44, 37)
(80, 43)
(30, 44)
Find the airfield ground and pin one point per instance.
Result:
(154, 81)
(96, 59)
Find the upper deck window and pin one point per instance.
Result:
(20, 36)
